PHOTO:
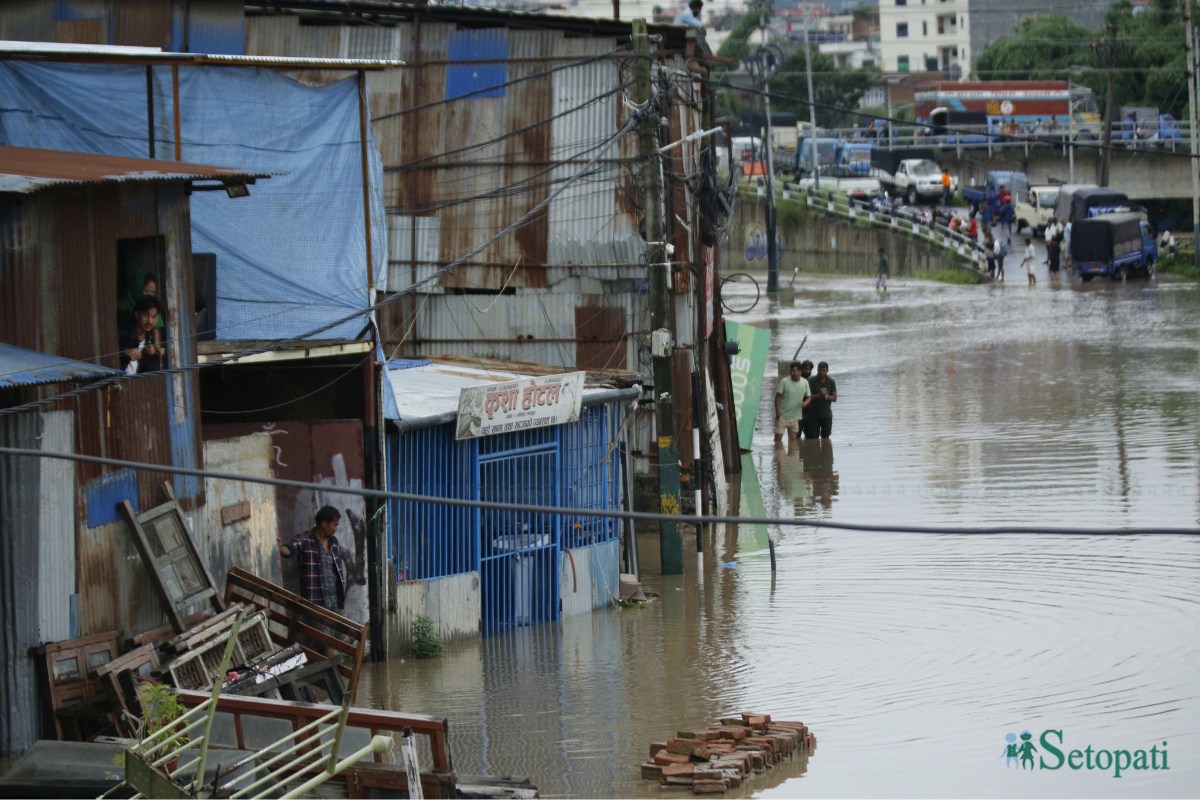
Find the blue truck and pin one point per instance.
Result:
(1016, 182)
(856, 156)
(827, 153)
(1113, 246)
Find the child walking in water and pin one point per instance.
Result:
(1029, 262)
(881, 272)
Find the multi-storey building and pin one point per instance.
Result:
(925, 36)
(948, 35)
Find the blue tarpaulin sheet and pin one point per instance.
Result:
(291, 257)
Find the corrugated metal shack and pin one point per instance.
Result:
(489, 116)
(488, 571)
(72, 225)
(481, 128)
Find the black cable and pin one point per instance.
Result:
(642, 516)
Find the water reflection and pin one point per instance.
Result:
(806, 476)
(911, 656)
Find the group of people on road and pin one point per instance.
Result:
(804, 402)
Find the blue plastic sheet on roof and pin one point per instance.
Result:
(291, 257)
(21, 367)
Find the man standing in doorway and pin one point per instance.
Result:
(139, 353)
(322, 571)
(791, 397)
(818, 420)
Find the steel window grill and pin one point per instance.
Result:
(592, 470)
(430, 540)
(518, 571)
(515, 552)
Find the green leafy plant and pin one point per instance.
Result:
(425, 641)
(160, 708)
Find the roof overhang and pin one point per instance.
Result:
(22, 367)
(26, 170)
(154, 56)
(226, 351)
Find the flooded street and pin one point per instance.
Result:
(911, 656)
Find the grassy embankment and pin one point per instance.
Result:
(787, 214)
(1182, 265)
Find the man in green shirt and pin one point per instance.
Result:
(791, 396)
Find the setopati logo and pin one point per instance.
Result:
(1051, 752)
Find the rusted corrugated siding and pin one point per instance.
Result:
(19, 500)
(20, 284)
(82, 31)
(601, 332)
(587, 223)
(586, 241)
(422, 133)
(27, 20)
(60, 259)
(146, 23)
(531, 102)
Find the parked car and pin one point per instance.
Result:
(1113, 245)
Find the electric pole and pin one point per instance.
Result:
(1110, 51)
(1194, 151)
(762, 64)
(812, 109)
(661, 340)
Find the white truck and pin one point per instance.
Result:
(911, 174)
(842, 180)
(1034, 207)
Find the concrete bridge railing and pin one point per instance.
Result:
(833, 234)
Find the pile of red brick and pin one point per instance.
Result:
(714, 760)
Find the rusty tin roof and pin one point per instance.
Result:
(24, 170)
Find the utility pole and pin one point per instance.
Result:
(762, 64)
(1110, 48)
(812, 109)
(1194, 150)
(670, 543)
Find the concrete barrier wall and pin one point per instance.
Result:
(1143, 174)
(825, 244)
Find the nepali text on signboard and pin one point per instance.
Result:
(519, 405)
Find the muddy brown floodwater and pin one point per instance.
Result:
(912, 656)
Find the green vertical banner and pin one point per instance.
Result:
(751, 538)
(746, 374)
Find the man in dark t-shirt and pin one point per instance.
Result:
(818, 418)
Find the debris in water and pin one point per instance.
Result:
(716, 759)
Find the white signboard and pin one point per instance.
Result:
(518, 405)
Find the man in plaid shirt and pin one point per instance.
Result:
(322, 571)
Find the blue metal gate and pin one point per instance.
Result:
(519, 550)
